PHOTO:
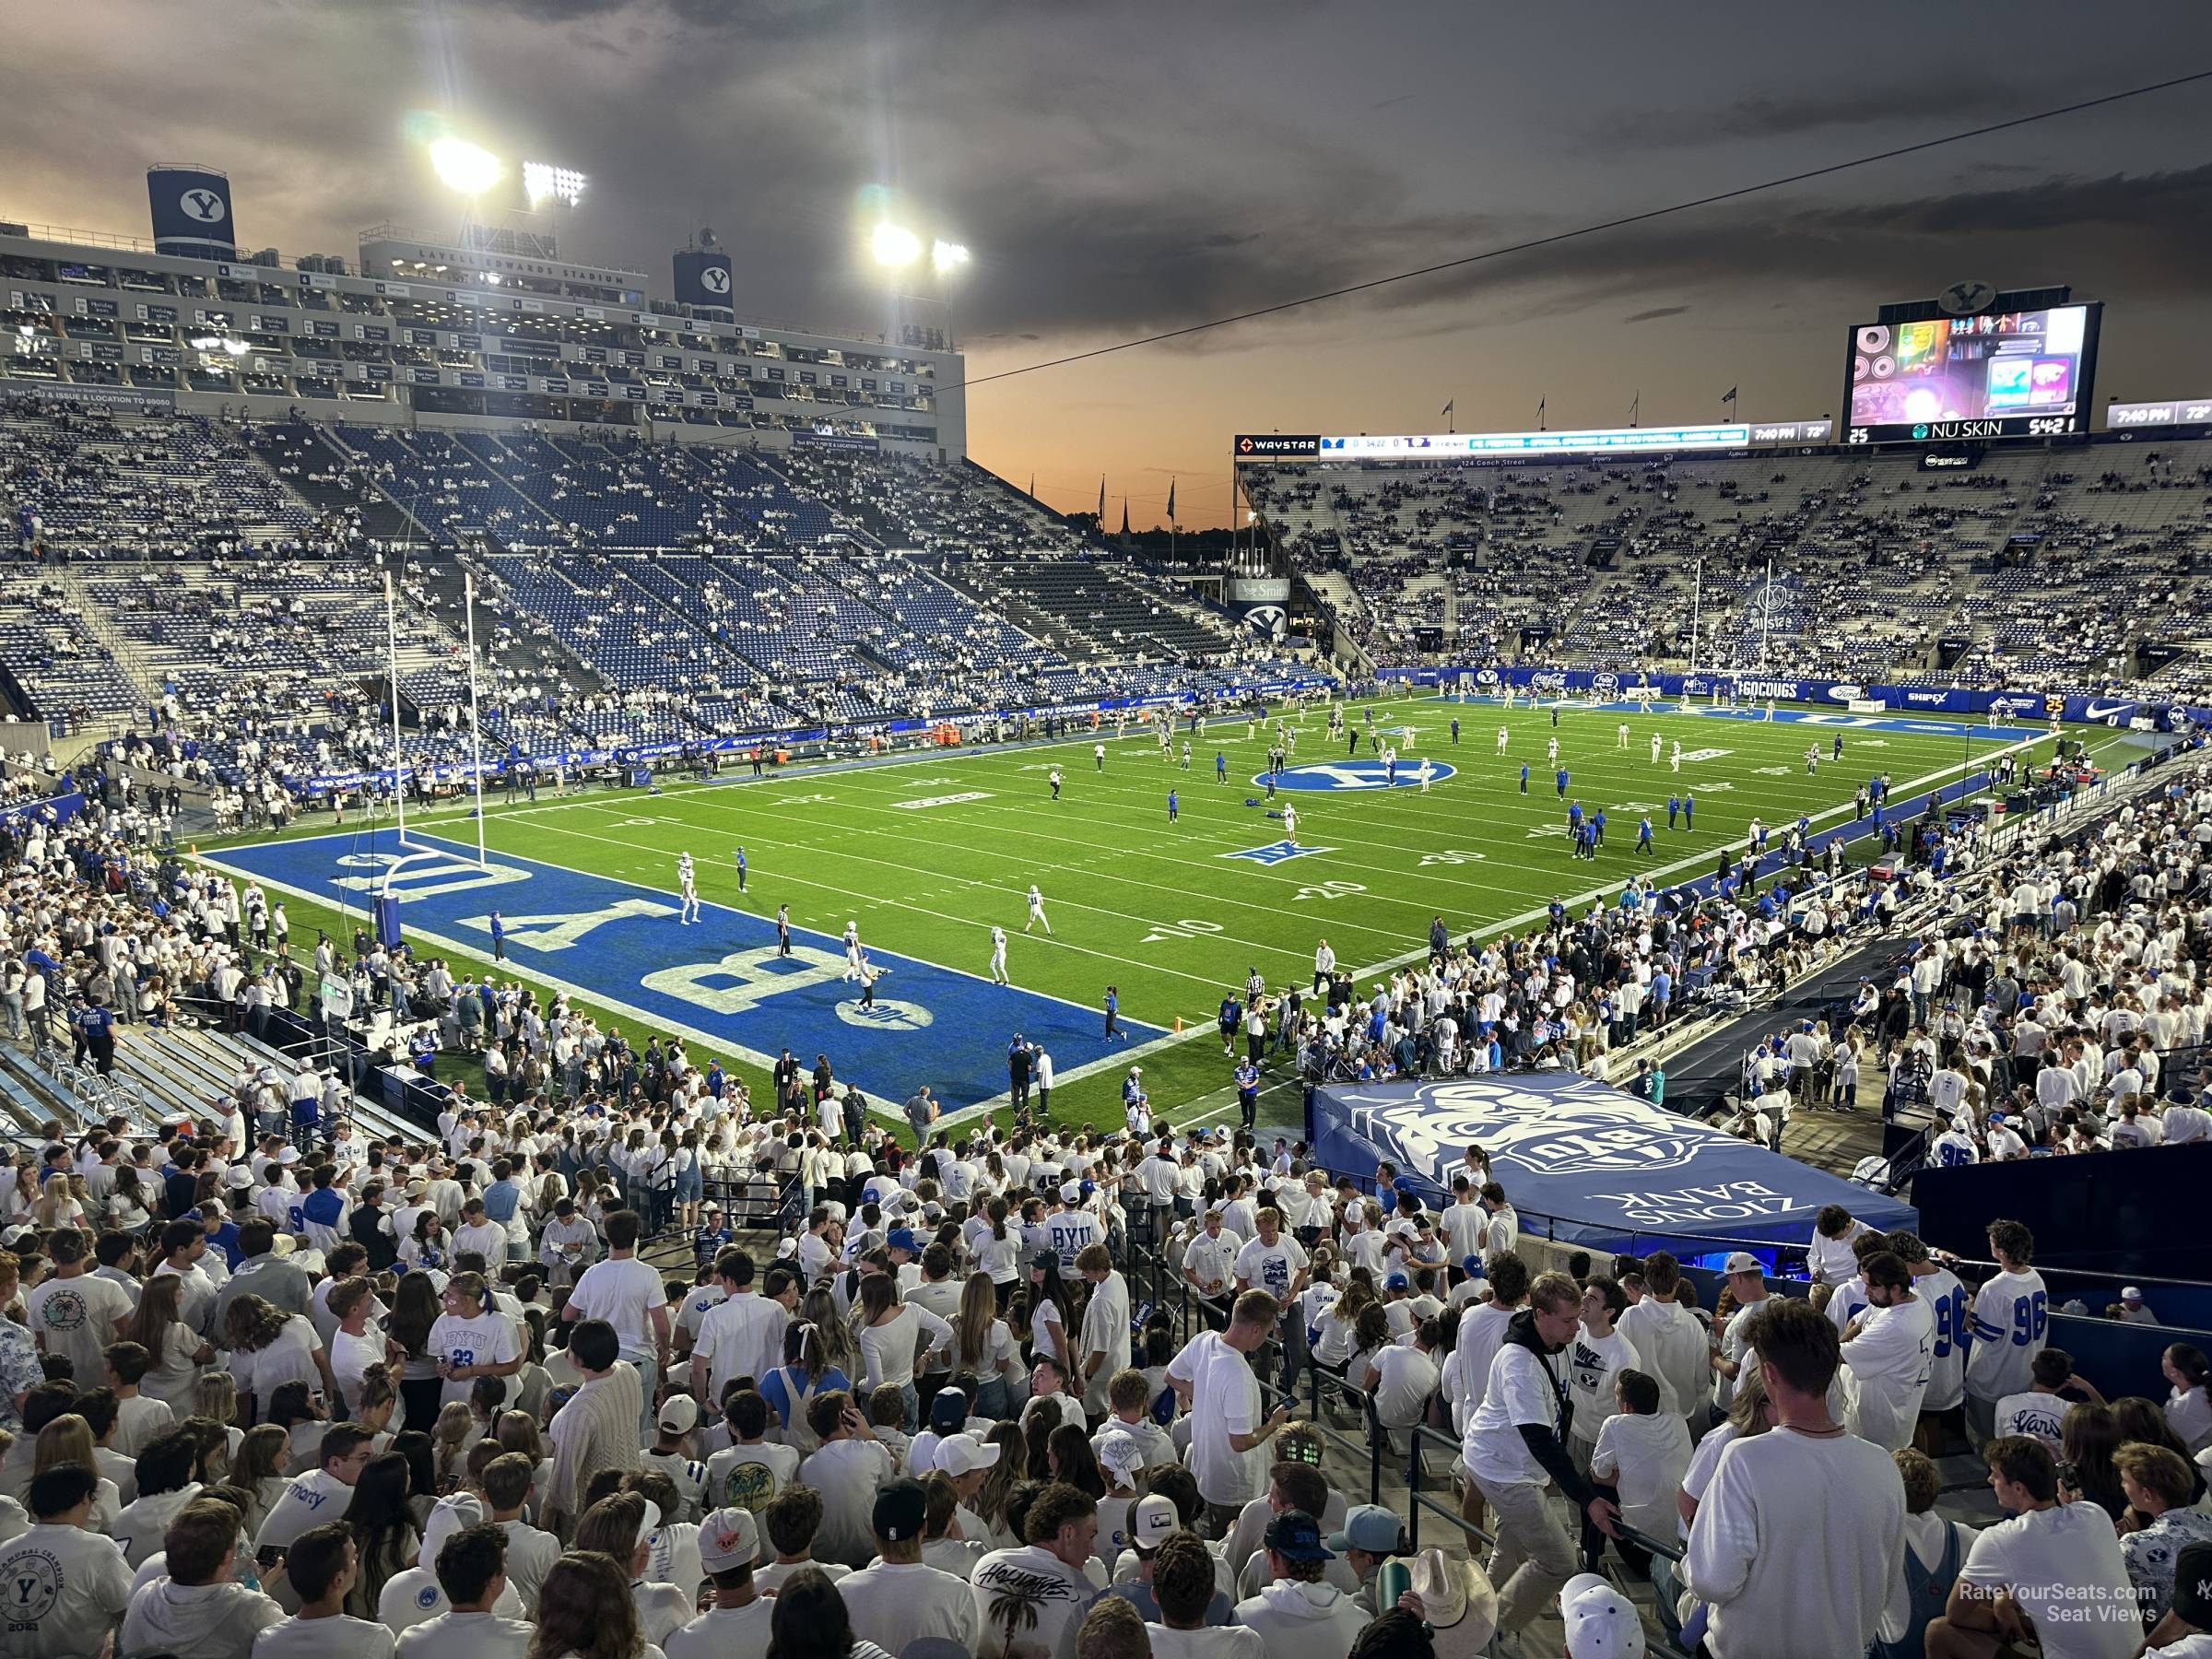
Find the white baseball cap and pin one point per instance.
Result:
(1151, 1519)
(1601, 1623)
(958, 1454)
(1743, 1261)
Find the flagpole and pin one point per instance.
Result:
(475, 729)
(1766, 626)
(1696, 598)
(399, 792)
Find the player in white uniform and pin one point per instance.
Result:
(1656, 749)
(1037, 912)
(998, 957)
(1620, 735)
(1502, 740)
(1551, 751)
(1676, 755)
(1290, 825)
(686, 883)
(852, 951)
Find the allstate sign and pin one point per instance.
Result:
(1340, 775)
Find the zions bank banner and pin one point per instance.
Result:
(1587, 1163)
(1759, 688)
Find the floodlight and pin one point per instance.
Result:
(895, 247)
(945, 257)
(466, 167)
(542, 178)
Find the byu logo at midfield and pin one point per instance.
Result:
(1360, 774)
(202, 206)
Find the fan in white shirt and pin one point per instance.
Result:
(1889, 1355)
(322, 1567)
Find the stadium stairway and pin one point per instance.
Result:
(545, 656)
(382, 518)
(185, 1068)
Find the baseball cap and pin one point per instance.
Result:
(948, 1411)
(1367, 1526)
(1472, 1267)
(1601, 1624)
(1151, 1519)
(1397, 1281)
(899, 1511)
(1071, 1194)
(1044, 1258)
(1743, 1261)
(1296, 1537)
(2131, 1293)
(901, 1237)
(960, 1454)
(456, 1511)
(1122, 1453)
(2192, 1586)
(727, 1538)
(679, 1415)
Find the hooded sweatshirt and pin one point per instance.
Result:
(208, 1621)
(1300, 1621)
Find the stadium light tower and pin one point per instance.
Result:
(467, 168)
(945, 257)
(894, 246)
(544, 181)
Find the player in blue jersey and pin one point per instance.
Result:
(1248, 1091)
(1644, 834)
(1524, 777)
(740, 869)
(1559, 781)
(1170, 806)
(1690, 812)
(1598, 828)
(1674, 809)
(1220, 767)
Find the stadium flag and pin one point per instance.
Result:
(1635, 403)
(1033, 487)
(1541, 414)
(1124, 517)
(1728, 396)
(1447, 409)
(1101, 501)
(1171, 500)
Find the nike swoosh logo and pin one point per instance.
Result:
(2097, 712)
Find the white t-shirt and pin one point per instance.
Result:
(1406, 1377)
(1593, 1364)
(892, 1604)
(1645, 1457)
(67, 1588)
(1207, 1642)
(316, 1497)
(343, 1637)
(2065, 1568)
(530, 1556)
(288, 1356)
(1799, 1544)
(741, 1336)
(487, 1340)
(724, 1632)
(1271, 1268)
(1058, 1595)
(2043, 1416)
(466, 1636)
(1225, 1400)
(2009, 1318)
(76, 1317)
(847, 1474)
(1885, 1370)
(623, 1291)
(778, 1466)
(1524, 1388)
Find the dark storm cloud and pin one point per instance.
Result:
(1945, 101)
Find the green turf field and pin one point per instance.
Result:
(927, 852)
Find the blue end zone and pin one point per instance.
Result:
(718, 982)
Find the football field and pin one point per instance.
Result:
(927, 853)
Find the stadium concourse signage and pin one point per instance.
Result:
(1898, 700)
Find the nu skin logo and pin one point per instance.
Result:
(203, 206)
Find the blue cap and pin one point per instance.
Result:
(902, 1238)
(1397, 1281)
(1296, 1537)
(1472, 1267)
(1367, 1526)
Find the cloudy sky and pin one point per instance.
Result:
(1128, 166)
